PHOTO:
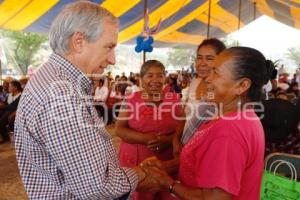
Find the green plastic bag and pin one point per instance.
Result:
(276, 187)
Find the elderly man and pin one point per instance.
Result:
(63, 149)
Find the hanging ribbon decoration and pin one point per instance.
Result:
(145, 41)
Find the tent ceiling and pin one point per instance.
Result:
(184, 21)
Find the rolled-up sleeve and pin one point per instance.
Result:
(83, 151)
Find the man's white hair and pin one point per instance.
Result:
(82, 16)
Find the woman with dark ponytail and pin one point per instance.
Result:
(224, 159)
(254, 66)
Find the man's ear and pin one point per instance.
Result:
(242, 86)
(76, 42)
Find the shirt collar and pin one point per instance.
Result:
(72, 73)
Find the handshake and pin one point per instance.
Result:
(153, 176)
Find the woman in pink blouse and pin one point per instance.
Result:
(224, 159)
(147, 122)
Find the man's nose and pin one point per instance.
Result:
(112, 58)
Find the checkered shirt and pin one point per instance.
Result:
(63, 150)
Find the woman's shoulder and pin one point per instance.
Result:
(171, 96)
(134, 97)
(238, 123)
(194, 83)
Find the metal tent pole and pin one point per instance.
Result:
(254, 10)
(208, 22)
(240, 10)
(145, 12)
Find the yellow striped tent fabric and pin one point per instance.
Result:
(184, 22)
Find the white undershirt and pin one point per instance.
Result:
(101, 94)
(11, 98)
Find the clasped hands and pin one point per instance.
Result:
(155, 177)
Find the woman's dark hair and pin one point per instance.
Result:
(17, 85)
(274, 74)
(151, 63)
(101, 81)
(250, 63)
(292, 89)
(216, 44)
(133, 80)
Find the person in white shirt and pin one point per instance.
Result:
(15, 91)
(206, 54)
(133, 87)
(100, 97)
(7, 111)
(101, 92)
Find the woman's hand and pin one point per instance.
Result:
(153, 162)
(162, 179)
(170, 166)
(146, 181)
(150, 171)
(160, 143)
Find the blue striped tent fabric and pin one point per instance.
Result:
(184, 22)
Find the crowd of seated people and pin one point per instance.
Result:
(109, 91)
(285, 88)
(281, 117)
(10, 94)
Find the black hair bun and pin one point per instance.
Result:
(274, 74)
(270, 69)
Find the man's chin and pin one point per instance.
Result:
(96, 76)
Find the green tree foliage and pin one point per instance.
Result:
(180, 57)
(293, 54)
(231, 42)
(25, 46)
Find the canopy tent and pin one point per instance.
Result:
(184, 22)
